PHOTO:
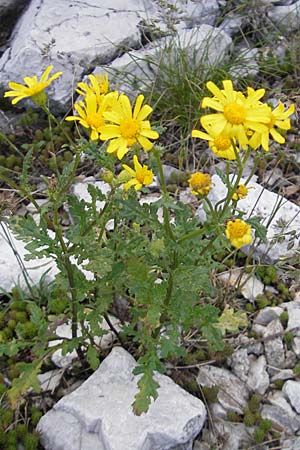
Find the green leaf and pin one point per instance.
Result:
(27, 379)
(231, 321)
(93, 357)
(260, 230)
(147, 390)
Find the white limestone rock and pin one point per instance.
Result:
(266, 315)
(292, 391)
(286, 16)
(233, 393)
(65, 331)
(10, 270)
(240, 363)
(249, 285)
(99, 416)
(139, 68)
(278, 214)
(279, 418)
(258, 378)
(73, 37)
(274, 349)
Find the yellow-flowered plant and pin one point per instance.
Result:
(155, 254)
(238, 232)
(98, 85)
(91, 112)
(140, 175)
(240, 192)
(127, 126)
(35, 89)
(200, 183)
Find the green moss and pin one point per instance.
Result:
(259, 435)
(284, 317)
(254, 402)
(8, 333)
(296, 370)
(35, 414)
(288, 338)
(21, 430)
(265, 425)
(233, 416)
(3, 439)
(249, 418)
(262, 301)
(210, 393)
(21, 317)
(31, 442)
(250, 308)
(272, 273)
(3, 389)
(7, 417)
(11, 324)
(17, 305)
(278, 384)
(27, 330)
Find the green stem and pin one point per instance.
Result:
(11, 144)
(58, 123)
(165, 195)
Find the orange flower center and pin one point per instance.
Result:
(234, 113)
(222, 143)
(129, 129)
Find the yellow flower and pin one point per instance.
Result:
(220, 144)
(200, 183)
(238, 232)
(277, 118)
(236, 113)
(35, 89)
(240, 192)
(90, 113)
(141, 175)
(98, 85)
(127, 127)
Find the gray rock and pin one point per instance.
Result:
(279, 418)
(284, 374)
(11, 273)
(290, 444)
(296, 346)
(277, 398)
(258, 378)
(50, 380)
(266, 315)
(138, 68)
(249, 285)
(274, 348)
(233, 393)
(277, 213)
(98, 415)
(73, 37)
(294, 320)
(286, 16)
(292, 390)
(240, 363)
(9, 13)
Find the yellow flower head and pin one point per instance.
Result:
(98, 85)
(127, 126)
(221, 144)
(278, 118)
(141, 175)
(35, 89)
(90, 113)
(240, 192)
(236, 113)
(200, 183)
(238, 232)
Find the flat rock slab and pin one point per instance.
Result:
(233, 393)
(73, 37)
(99, 416)
(11, 272)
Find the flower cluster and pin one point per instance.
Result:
(241, 120)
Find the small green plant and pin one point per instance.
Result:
(163, 268)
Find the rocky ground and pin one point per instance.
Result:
(246, 397)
